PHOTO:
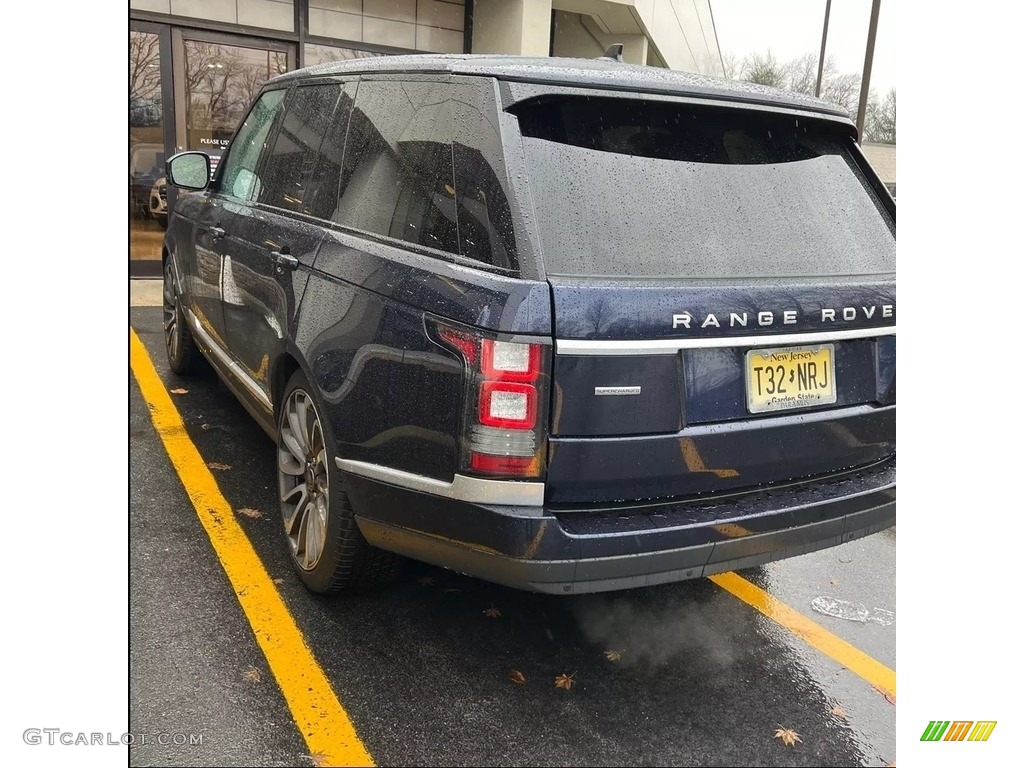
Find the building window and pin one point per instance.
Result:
(147, 189)
(269, 14)
(423, 25)
(323, 54)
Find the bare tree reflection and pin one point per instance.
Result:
(144, 104)
(221, 81)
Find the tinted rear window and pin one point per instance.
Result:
(625, 187)
(292, 174)
(397, 178)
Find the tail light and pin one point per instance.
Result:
(506, 387)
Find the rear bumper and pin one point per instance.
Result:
(575, 551)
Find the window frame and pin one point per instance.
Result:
(389, 240)
(217, 183)
(268, 151)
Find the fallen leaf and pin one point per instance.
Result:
(565, 681)
(839, 711)
(789, 737)
(255, 514)
(613, 655)
(516, 676)
(179, 391)
(492, 613)
(218, 465)
(888, 696)
(319, 758)
(252, 675)
(425, 581)
(279, 581)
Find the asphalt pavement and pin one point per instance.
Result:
(422, 669)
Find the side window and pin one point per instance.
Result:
(292, 173)
(327, 172)
(484, 216)
(397, 178)
(239, 174)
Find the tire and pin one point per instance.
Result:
(181, 347)
(324, 543)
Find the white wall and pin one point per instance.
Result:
(512, 26)
(580, 35)
(679, 33)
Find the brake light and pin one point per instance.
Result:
(509, 361)
(503, 422)
(463, 342)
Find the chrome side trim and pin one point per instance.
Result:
(236, 370)
(463, 488)
(587, 347)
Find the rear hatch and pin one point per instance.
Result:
(724, 298)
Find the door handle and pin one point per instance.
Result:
(217, 232)
(284, 260)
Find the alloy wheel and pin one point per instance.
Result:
(172, 320)
(303, 479)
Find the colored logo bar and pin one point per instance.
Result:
(958, 730)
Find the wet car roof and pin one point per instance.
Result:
(602, 73)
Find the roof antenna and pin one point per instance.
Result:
(614, 52)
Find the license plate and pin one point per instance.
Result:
(790, 377)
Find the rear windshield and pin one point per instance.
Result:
(624, 187)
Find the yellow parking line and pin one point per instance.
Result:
(858, 662)
(319, 715)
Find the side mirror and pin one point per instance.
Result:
(189, 170)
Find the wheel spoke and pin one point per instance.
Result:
(169, 291)
(319, 514)
(302, 412)
(316, 438)
(312, 536)
(298, 444)
(293, 503)
(288, 464)
(302, 540)
(292, 444)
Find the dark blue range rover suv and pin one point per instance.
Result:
(565, 325)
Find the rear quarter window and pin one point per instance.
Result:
(397, 178)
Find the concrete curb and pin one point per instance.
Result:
(146, 293)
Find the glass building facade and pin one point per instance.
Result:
(194, 67)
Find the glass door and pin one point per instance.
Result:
(216, 83)
(148, 129)
(187, 89)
